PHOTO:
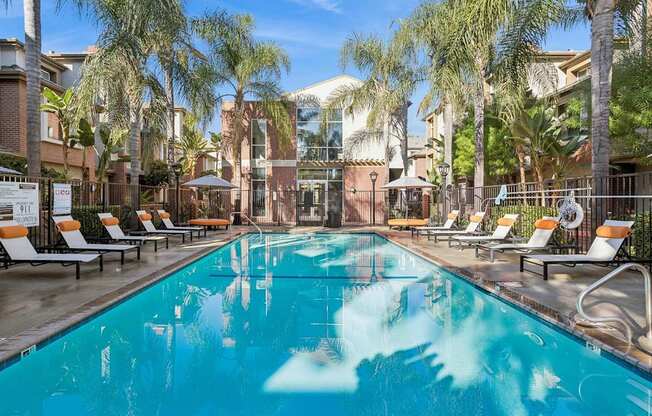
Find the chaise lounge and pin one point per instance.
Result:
(448, 225)
(169, 225)
(501, 233)
(112, 226)
(18, 249)
(74, 239)
(544, 228)
(603, 251)
(146, 220)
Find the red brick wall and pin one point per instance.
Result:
(357, 205)
(13, 133)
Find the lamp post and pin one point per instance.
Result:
(373, 176)
(250, 191)
(178, 171)
(443, 169)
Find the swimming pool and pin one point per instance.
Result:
(323, 324)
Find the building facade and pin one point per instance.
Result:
(58, 72)
(323, 163)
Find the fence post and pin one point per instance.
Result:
(50, 207)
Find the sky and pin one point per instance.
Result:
(311, 31)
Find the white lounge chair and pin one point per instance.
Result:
(169, 225)
(146, 220)
(448, 225)
(474, 222)
(112, 226)
(503, 228)
(70, 231)
(18, 249)
(604, 249)
(539, 240)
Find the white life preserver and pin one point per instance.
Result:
(571, 214)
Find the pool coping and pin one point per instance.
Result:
(596, 339)
(15, 348)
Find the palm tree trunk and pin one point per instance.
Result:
(32, 11)
(134, 153)
(169, 122)
(478, 114)
(404, 139)
(520, 154)
(448, 139)
(602, 32)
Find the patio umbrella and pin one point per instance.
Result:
(408, 182)
(7, 171)
(210, 182)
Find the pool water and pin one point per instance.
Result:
(319, 324)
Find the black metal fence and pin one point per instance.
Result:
(629, 199)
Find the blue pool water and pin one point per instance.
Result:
(319, 325)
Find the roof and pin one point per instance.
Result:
(318, 83)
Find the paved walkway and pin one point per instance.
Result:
(38, 302)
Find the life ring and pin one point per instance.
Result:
(571, 214)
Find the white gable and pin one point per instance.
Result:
(323, 89)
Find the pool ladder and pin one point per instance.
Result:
(645, 341)
(246, 217)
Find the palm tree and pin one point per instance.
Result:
(63, 106)
(476, 43)
(192, 145)
(245, 68)
(121, 71)
(389, 81)
(32, 16)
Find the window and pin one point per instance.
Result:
(258, 139)
(258, 177)
(318, 140)
(50, 132)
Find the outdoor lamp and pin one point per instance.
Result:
(373, 176)
(443, 169)
(177, 169)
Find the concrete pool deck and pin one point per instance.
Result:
(37, 303)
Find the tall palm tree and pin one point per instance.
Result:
(32, 19)
(245, 68)
(477, 43)
(121, 71)
(389, 82)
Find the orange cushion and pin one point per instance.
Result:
(612, 231)
(209, 222)
(13, 231)
(546, 224)
(452, 216)
(164, 215)
(506, 222)
(110, 221)
(70, 225)
(410, 222)
(475, 218)
(145, 217)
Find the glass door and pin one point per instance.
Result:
(311, 202)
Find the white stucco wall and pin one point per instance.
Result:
(321, 91)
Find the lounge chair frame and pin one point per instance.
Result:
(167, 233)
(134, 238)
(102, 250)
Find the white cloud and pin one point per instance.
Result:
(332, 6)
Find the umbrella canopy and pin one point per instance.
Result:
(8, 171)
(408, 182)
(210, 181)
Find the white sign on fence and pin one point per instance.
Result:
(19, 201)
(61, 198)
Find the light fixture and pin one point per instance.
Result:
(443, 169)
(373, 175)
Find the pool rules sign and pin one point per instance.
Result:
(61, 198)
(19, 201)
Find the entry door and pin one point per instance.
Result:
(311, 202)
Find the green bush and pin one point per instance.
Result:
(91, 226)
(524, 226)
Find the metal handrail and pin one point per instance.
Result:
(246, 217)
(645, 341)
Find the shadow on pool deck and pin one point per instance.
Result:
(37, 302)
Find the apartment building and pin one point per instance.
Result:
(58, 72)
(326, 164)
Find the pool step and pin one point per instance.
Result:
(644, 405)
